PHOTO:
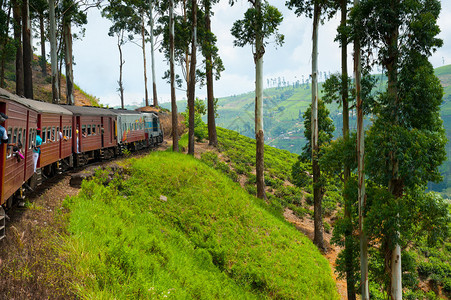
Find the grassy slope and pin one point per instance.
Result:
(210, 239)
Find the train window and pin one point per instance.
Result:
(53, 134)
(89, 129)
(58, 133)
(94, 129)
(70, 132)
(9, 149)
(30, 138)
(19, 137)
(44, 135)
(83, 130)
(49, 134)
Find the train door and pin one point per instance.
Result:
(2, 158)
(102, 131)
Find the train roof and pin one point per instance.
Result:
(39, 106)
(125, 111)
(90, 110)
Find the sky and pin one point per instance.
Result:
(96, 56)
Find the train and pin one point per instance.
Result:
(71, 136)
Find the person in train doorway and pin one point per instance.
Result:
(3, 133)
(37, 148)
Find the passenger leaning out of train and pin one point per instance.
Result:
(37, 148)
(3, 134)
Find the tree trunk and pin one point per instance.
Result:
(395, 185)
(42, 33)
(259, 133)
(175, 137)
(361, 172)
(68, 57)
(5, 42)
(152, 56)
(19, 54)
(121, 64)
(192, 80)
(349, 251)
(53, 54)
(317, 189)
(27, 52)
(212, 135)
(143, 36)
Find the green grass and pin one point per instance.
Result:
(208, 240)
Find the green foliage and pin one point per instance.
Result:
(205, 239)
(255, 24)
(325, 129)
(200, 128)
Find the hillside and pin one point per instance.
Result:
(42, 85)
(283, 110)
(190, 232)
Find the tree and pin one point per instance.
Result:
(40, 8)
(27, 51)
(406, 141)
(259, 23)
(152, 54)
(71, 15)
(314, 9)
(18, 42)
(7, 46)
(125, 20)
(53, 52)
(192, 79)
(212, 63)
(175, 137)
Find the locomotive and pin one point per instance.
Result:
(71, 137)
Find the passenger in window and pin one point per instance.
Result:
(17, 152)
(3, 134)
(37, 148)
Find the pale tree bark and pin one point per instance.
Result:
(120, 42)
(349, 264)
(395, 185)
(175, 137)
(53, 50)
(259, 133)
(69, 63)
(143, 36)
(361, 172)
(19, 53)
(42, 36)
(152, 55)
(27, 52)
(192, 80)
(317, 189)
(212, 135)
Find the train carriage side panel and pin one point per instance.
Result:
(67, 137)
(32, 121)
(50, 148)
(14, 169)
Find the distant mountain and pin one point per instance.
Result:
(283, 122)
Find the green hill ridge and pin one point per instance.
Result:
(174, 227)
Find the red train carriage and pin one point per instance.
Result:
(94, 133)
(25, 116)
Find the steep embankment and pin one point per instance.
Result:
(178, 228)
(42, 85)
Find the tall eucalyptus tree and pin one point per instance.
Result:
(260, 22)
(406, 142)
(315, 9)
